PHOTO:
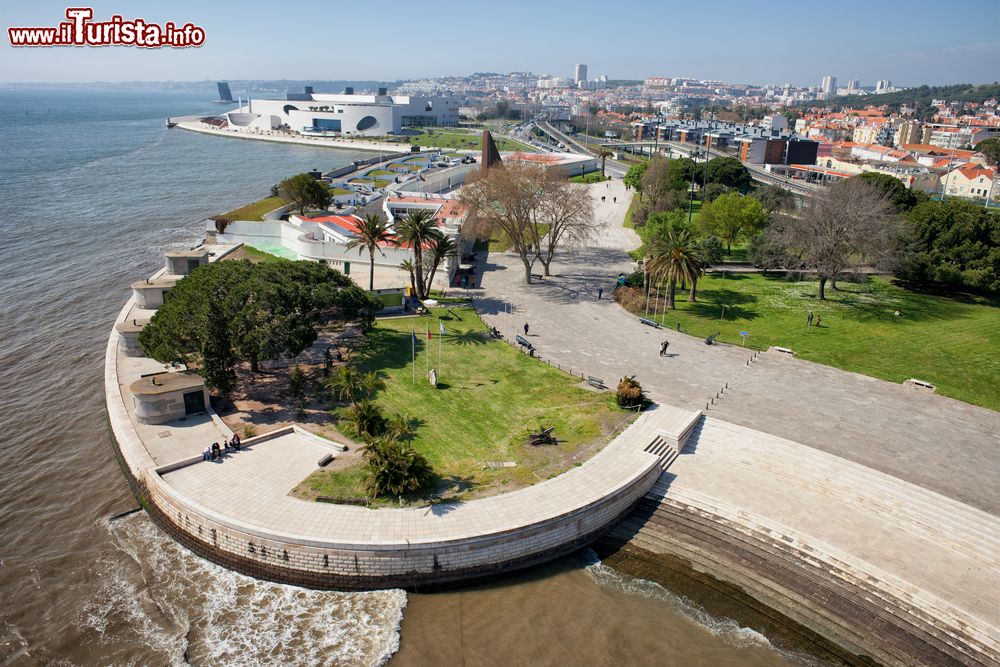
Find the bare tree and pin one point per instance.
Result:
(566, 218)
(841, 229)
(509, 199)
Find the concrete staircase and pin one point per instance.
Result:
(672, 427)
(905, 578)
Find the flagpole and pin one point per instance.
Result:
(427, 358)
(440, 336)
(413, 354)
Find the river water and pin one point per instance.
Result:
(93, 190)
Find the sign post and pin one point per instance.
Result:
(743, 335)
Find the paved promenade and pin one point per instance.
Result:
(939, 443)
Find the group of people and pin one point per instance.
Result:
(217, 451)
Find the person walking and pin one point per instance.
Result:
(600, 293)
(663, 348)
(525, 328)
(809, 319)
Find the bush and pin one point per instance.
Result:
(364, 420)
(711, 248)
(394, 467)
(629, 393)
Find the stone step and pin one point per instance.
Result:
(917, 607)
(819, 551)
(776, 561)
(974, 531)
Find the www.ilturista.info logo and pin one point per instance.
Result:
(79, 30)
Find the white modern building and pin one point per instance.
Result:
(345, 113)
(580, 74)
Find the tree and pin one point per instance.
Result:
(732, 217)
(417, 229)
(566, 217)
(713, 191)
(774, 198)
(394, 467)
(666, 181)
(364, 419)
(711, 249)
(297, 382)
(957, 243)
(400, 427)
(842, 228)
(629, 393)
(407, 265)
(442, 247)
(373, 232)
(633, 177)
(228, 311)
(902, 198)
(677, 257)
(730, 172)
(304, 191)
(508, 199)
(991, 149)
(604, 153)
(345, 384)
(370, 383)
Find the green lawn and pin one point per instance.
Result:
(400, 165)
(451, 138)
(341, 191)
(371, 182)
(592, 177)
(256, 210)
(381, 172)
(488, 399)
(953, 343)
(500, 242)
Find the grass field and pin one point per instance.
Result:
(592, 177)
(256, 210)
(953, 343)
(466, 140)
(489, 397)
(500, 242)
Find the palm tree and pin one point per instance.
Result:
(441, 247)
(407, 265)
(400, 427)
(416, 229)
(370, 382)
(677, 256)
(345, 383)
(373, 232)
(393, 467)
(604, 154)
(364, 419)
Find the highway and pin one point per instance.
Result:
(618, 169)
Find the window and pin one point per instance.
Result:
(366, 123)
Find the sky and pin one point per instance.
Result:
(909, 42)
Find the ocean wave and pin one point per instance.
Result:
(187, 610)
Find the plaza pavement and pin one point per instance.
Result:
(938, 443)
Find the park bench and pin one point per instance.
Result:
(524, 342)
(537, 276)
(783, 350)
(711, 339)
(596, 383)
(649, 323)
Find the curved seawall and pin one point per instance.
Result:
(220, 512)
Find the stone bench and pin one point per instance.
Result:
(783, 350)
(649, 323)
(595, 382)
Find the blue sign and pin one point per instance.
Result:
(744, 333)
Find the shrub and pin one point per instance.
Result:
(364, 420)
(394, 467)
(711, 248)
(629, 393)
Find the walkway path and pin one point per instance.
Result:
(939, 443)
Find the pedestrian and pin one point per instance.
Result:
(603, 198)
(216, 451)
(614, 200)
(207, 454)
(600, 293)
(236, 441)
(819, 318)
(525, 328)
(809, 319)
(663, 348)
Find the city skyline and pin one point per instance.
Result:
(910, 49)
